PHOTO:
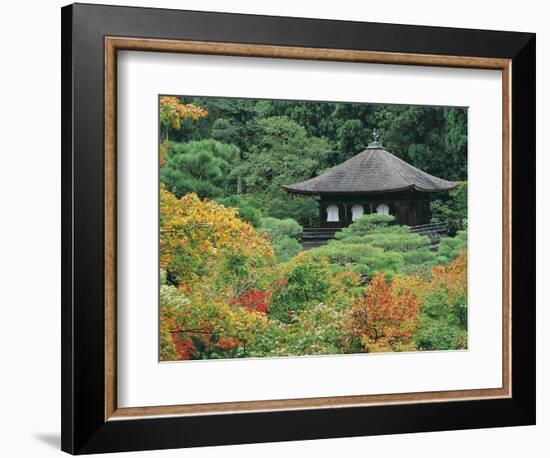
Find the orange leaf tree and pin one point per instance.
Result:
(383, 319)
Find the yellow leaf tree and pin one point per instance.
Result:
(202, 238)
(211, 258)
(173, 112)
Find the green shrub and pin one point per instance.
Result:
(313, 331)
(247, 210)
(305, 282)
(284, 234)
(444, 311)
(279, 204)
(439, 335)
(361, 258)
(286, 248)
(397, 241)
(452, 209)
(279, 228)
(374, 244)
(366, 224)
(450, 247)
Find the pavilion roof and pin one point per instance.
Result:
(373, 170)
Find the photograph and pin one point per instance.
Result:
(296, 228)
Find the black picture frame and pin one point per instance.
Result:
(84, 428)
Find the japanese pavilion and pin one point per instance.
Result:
(373, 181)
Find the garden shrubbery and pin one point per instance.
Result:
(284, 235)
(374, 243)
(228, 290)
(452, 209)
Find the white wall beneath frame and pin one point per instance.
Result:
(30, 228)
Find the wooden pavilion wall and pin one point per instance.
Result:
(409, 208)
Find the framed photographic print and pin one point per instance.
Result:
(281, 228)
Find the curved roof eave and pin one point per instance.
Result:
(374, 170)
(405, 188)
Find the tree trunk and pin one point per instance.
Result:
(239, 184)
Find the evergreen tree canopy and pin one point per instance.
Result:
(273, 160)
(200, 166)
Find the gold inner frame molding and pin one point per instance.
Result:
(114, 44)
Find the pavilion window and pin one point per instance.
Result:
(332, 214)
(357, 211)
(383, 209)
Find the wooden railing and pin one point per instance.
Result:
(319, 232)
(430, 229)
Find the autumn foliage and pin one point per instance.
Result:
(224, 295)
(444, 317)
(453, 278)
(201, 238)
(383, 319)
(254, 300)
(172, 112)
(215, 261)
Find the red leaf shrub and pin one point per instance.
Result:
(254, 300)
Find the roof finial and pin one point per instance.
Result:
(375, 144)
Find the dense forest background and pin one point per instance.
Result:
(235, 280)
(254, 147)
